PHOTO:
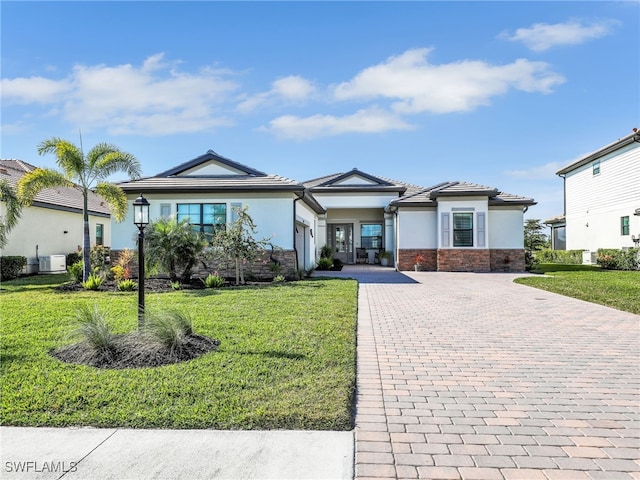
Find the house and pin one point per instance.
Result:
(601, 200)
(455, 226)
(53, 224)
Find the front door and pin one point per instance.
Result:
(342, 242)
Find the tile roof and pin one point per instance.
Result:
(330, 183)
(429, 196)
(66, 198)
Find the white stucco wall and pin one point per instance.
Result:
(272, 215)
(473, 205)
(417, 228)
(45, 228)
(506, 227)
(354, 200)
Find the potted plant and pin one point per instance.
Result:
(386, 258)
(417, 262)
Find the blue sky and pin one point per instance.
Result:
(497, 93)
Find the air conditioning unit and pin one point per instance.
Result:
(53, 264)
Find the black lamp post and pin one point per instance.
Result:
(141, 220)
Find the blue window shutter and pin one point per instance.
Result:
(445, 228)
(481, 229)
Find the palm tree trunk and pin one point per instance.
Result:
(86, 242)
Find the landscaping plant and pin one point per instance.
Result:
(213, 280)
(90, 172)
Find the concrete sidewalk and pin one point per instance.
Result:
(122, 454)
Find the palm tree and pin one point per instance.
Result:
(13, 208)
(90, 172)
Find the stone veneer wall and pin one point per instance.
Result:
(259, 269)
(515, 256)
(406, 259)
(463, 260)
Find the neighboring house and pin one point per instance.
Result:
(601, 200)
(53, 224)
(455, 226)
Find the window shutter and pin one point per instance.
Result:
(481, 229)
(445, 229)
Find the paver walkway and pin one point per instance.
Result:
(470, 376)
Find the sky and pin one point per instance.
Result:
(497, 93)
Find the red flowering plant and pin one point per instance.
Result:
(418, 259)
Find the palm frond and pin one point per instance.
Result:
(13, 208)
(115, 198)
(34, 182)
(68, 157)
(116, 161)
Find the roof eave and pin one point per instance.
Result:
(612, 147)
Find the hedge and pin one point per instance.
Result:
(11, 266)
(571, 257)
(612, 259)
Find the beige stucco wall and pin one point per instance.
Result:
(54, 232)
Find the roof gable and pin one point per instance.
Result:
(354, 181)
(355, 178)
(211, 165)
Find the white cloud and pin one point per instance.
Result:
(539, 172)
(288, 89)
(33, 90)
(152, 99)
(419, 86)
(543, 36)
(370, 120)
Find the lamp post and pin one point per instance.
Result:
(141, 220)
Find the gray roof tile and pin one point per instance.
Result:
(60, 197)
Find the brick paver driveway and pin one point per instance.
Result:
(470, 376)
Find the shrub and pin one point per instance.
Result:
(76, 270)
(326, 252)
(74, 257)
(571, 257)
(122, 269)
(11, 266)
(213, 280)
(99, 256)
(325, 263)
(127, 285)
(94, 329)
(337, 264)
(93, 282)
(612, 259)
(279, 279)
(176, 285)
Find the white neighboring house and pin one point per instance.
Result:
(53, 224)
(601, 200)
(455, 226)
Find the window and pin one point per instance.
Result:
(596, 168)
(165, 210)
(559, 238)
(371, 235)
(463, 229)
(205, 217)
(100, 233)
(235, 209)
(624, 225)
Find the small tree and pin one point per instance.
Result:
(12, 210)
(238, 244)
(90, 172)
(534, 239)
(173, 247)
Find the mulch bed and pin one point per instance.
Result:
(135, 350)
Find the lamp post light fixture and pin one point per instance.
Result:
(141, 220)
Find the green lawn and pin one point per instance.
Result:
(614, 288)
(286, 360)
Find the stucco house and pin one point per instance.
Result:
(455, 226)
(601, 200)
(53, 224)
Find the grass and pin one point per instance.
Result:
(613, 288)
(286, 359)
